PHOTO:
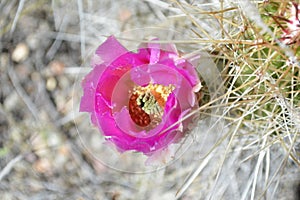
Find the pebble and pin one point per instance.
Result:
(33, 41)
(57, 67)
(64, 82)
(51, 84)
(43, 166)
(11, 101)
(54, 140)
(20, 53)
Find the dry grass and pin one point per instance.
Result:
(246, 145)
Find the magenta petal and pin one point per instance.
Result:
(125, 123)
(110, 50)
(154, 52)
(89, 85)
(140, 75)
(172, 110)
(189, 72)
(164, 76)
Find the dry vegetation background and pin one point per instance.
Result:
(45, 50)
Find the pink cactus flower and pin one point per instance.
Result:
(138, 99)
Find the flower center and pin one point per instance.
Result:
(146, 104)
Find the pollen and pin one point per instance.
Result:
(146, 104)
